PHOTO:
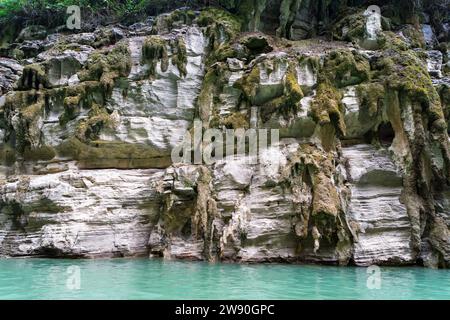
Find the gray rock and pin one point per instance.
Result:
(378, 217)
(373, 28)
(10, 72)
(62, 66)
(434, 63)
(31, 48)
(35, 32)
(80, 213)
(429, 36)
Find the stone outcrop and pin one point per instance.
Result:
(360, 174)
(377, 216)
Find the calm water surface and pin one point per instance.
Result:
(157, 279)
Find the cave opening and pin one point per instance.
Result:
(386, 134)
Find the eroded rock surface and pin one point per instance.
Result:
(360, 174)
(379, 218)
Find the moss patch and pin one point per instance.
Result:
(405, 71)
(327, 107)
(83, 95)
(154, 50)
(205, 101)
(33, 77)
(351, 28)
(106, 154)
(25, 107)
(236, 120)
(98, 118)
(221, 28)
(415, 36)
(220, 22)
(107, 65)
(179, 58)
(41, 153)
(289, 102)
(249, 83)
(370, 95)
(345, 68)
(166, 22)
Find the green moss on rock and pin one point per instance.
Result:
(89, 128)
(220, 23)
(393, 41)
(179, 58)
(154, 50)
(22, 110)
(289, 102)
(107, 154)
(249, 83)
(7, 155)
(351, 28)
(405, 71)
(108, 65)
(415, 36)
(166, 22)
(223, 52)
(221, 28)
(33, 77)
(345, 68)
(236, 120)
(327, 107)
(82, 95)
(44, 153)
(370, 95)
(212, 84)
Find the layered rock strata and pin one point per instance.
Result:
(359, 175)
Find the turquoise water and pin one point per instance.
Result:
(157, 279)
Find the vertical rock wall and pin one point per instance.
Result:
(359, 176)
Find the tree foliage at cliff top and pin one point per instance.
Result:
(47, 10)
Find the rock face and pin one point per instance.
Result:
(10, 71)
(380, 220)
(351, 162)
(373, 28)
(79, 213)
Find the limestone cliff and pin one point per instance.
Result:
(359, 94)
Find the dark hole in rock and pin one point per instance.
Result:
(186, 231)
(157, 253)
(257, 44)
(53, 252)
(386, 134)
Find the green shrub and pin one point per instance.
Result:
(51, 13)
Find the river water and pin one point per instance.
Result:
(158, 279)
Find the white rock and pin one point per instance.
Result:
(373, 28)
(306, 75)
(100, 213)
(350, 100)
(384, 233)
(434, 63)
(428, 34)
